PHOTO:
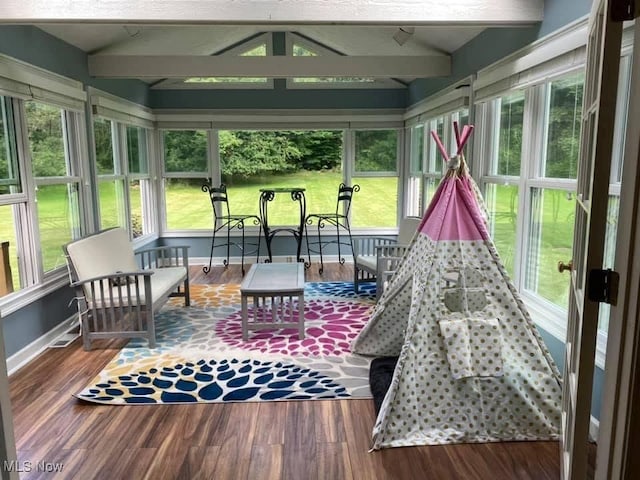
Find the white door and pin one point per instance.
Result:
(601, 80)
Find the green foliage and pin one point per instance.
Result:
(185, 151)
(564, 130)
(104, 146)
(510, 146)
(245, 154)
(44, 124)
(376, 150)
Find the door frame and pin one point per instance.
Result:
(620, 418)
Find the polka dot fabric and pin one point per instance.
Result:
(472, 366)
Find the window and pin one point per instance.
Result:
(9, 171)
(257, 51)
(508, 140)
(12, 202)
(311, 159)
(414, 194)
(186, 169)
(551, 215)
(42, 128)
(300, 50)
(502, 190)
(375, 170)
(300, 46)
(258, 46)
(56, 179)
(122, 163)
(111, 192)
(138, 181)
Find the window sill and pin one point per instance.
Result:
(20, 299)
(553, 320)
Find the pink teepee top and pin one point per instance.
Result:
(453, 213)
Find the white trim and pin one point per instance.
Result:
(28, 81)
(279, 120)
(29, 352)
(547, 317)
(445, 101)
(120, 110)
(570, 37)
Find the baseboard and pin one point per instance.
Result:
(28, 353)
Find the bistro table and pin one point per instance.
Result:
(267, 195)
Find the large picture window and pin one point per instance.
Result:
(186, 169)
(376, 171)
(309, 159)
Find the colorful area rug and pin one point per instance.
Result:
(200, 355)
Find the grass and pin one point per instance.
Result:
(375, 205)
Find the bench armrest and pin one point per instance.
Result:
(120, 276)
(166, 256)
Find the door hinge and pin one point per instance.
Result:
(603, 286)
(622, 10)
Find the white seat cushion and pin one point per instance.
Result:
(367, 261)
(163, 281)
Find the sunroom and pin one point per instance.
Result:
(116, 119)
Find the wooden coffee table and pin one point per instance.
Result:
(278, 297)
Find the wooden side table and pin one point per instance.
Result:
(277, 290)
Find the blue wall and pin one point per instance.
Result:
(34, 46)
(36, 319)
(279, 97)
(496, 43)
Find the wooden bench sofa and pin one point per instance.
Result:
(119, 290)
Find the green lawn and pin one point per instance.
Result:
(375, 205)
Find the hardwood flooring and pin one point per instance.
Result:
(270, 440)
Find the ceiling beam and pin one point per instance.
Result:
(383, 12)
(184, 66)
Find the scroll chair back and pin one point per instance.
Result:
(223, 219)
(338, 219)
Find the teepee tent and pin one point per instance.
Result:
(471, 365)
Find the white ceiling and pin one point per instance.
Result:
(151, 36)
(210, 39)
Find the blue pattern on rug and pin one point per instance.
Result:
(227, 381)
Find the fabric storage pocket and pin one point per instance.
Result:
(473, 346)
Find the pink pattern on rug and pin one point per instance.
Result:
(330, 326)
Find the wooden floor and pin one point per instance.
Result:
(268, 440)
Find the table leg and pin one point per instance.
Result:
(301, 316)
(245, 319)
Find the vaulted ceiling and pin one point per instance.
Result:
(164, 42)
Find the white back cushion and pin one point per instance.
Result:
(408, 228)
(104, 253)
